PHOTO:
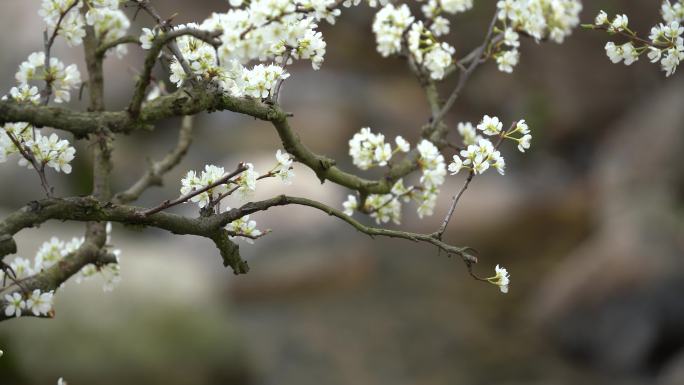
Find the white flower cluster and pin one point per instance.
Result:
(435, 57)
(47, 150)
(110, 272)
(245, 229)
(53, 251)
(389, 26)
(62, 79)
(193, 182)
(38, 303)
(283, 169)
(387, 207)
(540, 19)
(260, 81)
(72, 25)
(391, 23)
(666, 43)
(107, 20)
(382, 207)
(432, 10)
(369, 150)
(434, 7)
(672, 12)
(480, 154)
(433, 168)
(275, 31)
(246, 182)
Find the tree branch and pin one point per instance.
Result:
(151, 58)
(465, 75)
(184, 198)
(89, 209)
(283, 200)
(103, 48)
(154, 175)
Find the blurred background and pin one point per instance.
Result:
(588, 223)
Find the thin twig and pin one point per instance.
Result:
(166, 26)
(154, 175)
(103, 48)
(184, 198)
(146, 76)
(39, 167)
(464, 76)
(226, 194)
(49, 42)
(471, 175)
(284, 200)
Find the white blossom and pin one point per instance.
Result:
(468, 133)
(147, 38)
(501, 279)
(402, 144)
(49, 253)
(540, 19)
(25, 93)
(389, 25)
(244, 228)
(21, 267)
(193, 182)
(62, 78)
(39, 303)
(490, 125)
(511, 38)
(507, 60)
(246, 182)
(433, 56)
(14, 304)
(524, 143)
(284, 167)
(432, 164)
(440, 26)
(619, 23)
(350, 205)
(369, 150)
(455, 165)
(384, 208)
(601, 18)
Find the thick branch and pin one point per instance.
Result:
(159, 43)
(193, 101)
(89, 209)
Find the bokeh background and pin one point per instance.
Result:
(589, 224)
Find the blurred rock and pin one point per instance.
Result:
(610, 302)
